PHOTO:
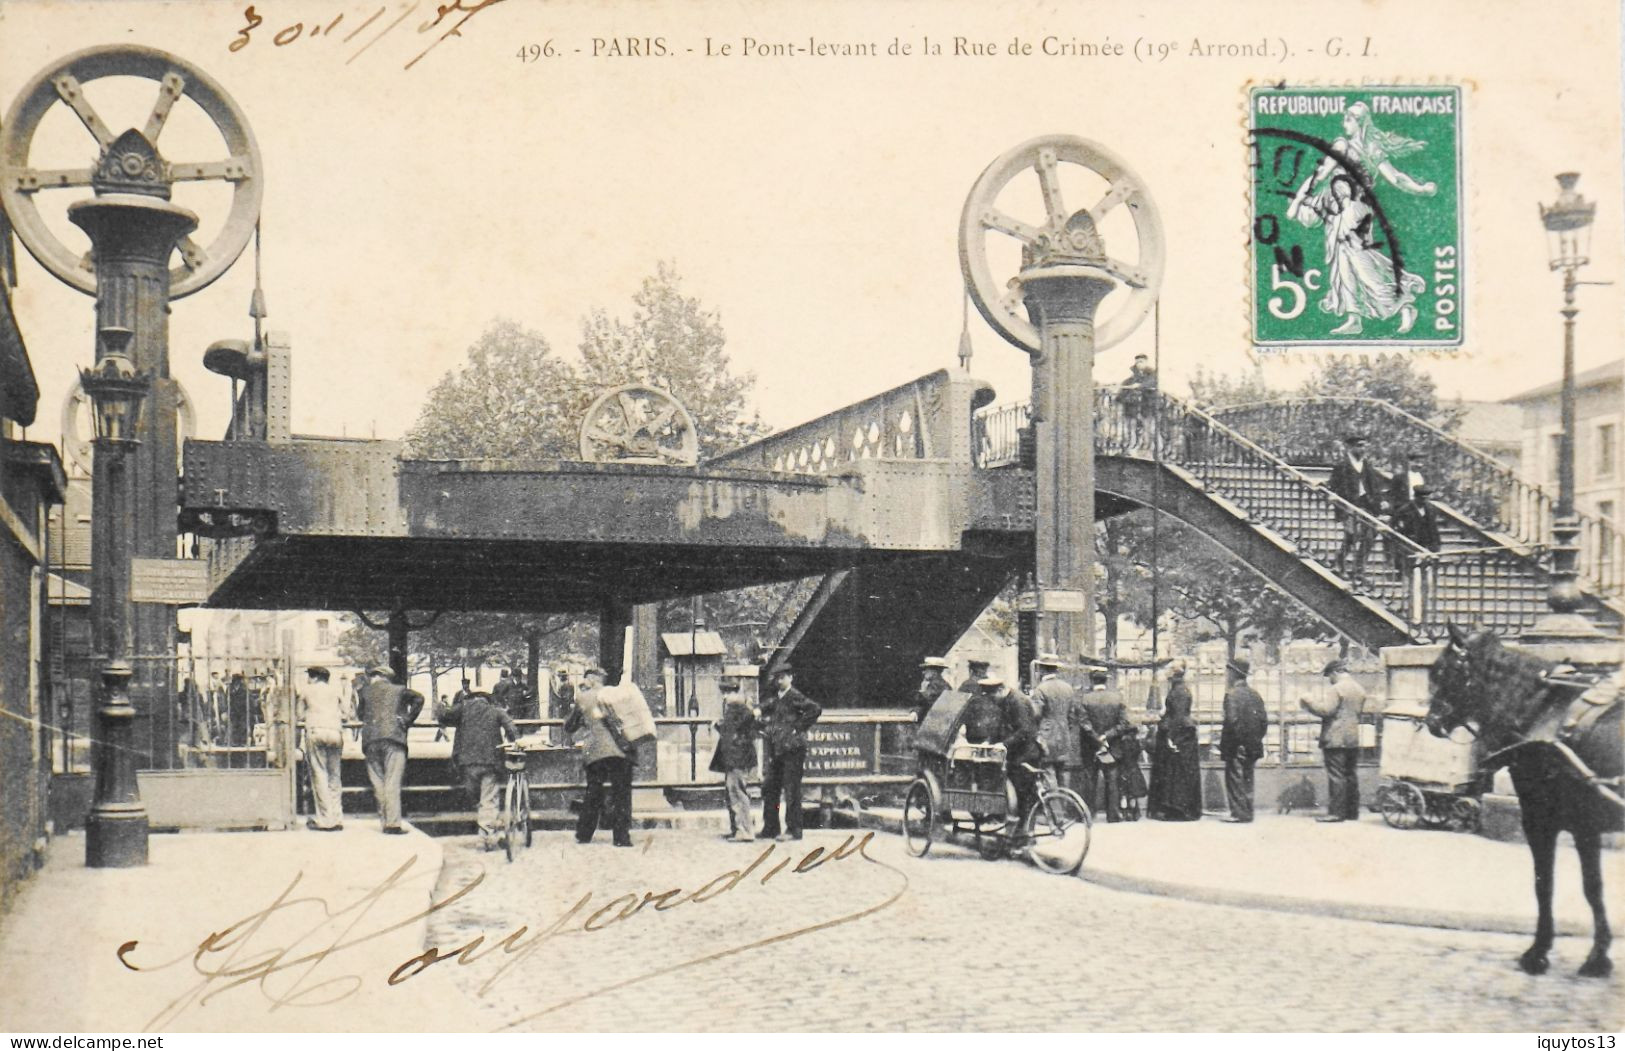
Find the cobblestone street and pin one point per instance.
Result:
(881, 941)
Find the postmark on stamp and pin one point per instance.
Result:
(1356, 216)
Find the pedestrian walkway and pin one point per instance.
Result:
(279, 902)
(1357, 870)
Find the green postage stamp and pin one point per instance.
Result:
(1356, 216)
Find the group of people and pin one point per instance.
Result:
(1087, 741)
(1093, 748)
(1402, 498)
(781, 721)
(386, 711)
(227, 713)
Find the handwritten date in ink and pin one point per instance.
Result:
(365, 27)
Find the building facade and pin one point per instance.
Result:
(1599, 440)
(31, 481)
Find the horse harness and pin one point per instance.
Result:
(1564, 726)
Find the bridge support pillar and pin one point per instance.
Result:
(399, 632)
(1061, 300)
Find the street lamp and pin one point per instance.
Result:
(1568, 235)
(116, 832)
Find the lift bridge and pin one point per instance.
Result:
(900, 516)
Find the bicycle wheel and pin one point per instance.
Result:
(1058, 831)
(919, 819)
(1402, 804)
(524, 808)
(510, 817)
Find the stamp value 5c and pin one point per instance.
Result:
(1356, 216)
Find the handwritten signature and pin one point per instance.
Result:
(252, 20)
(287, 975)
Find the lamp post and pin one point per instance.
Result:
(1568, 235)
(116, 832)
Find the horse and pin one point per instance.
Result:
(1561, 739)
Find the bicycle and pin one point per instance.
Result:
(515, 800)
(965, 793)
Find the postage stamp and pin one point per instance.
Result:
(1356, 216)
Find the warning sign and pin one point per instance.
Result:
(836, 749)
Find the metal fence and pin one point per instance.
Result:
(193, 712)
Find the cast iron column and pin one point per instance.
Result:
(133, 229)
(1061, 299)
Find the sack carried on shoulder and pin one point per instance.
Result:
(717, 765)
(627, 702)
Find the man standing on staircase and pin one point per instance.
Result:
(1357, 480)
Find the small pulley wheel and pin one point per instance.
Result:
(637, 423)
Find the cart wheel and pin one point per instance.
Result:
(524, 809)
(511, 830)
(1402, 804)
(1058, 830)
(919, 819)
(1465, 814)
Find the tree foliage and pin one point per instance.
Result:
(514, 397)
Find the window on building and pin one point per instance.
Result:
(1606, 509)
(324, 633)
(1607, 450)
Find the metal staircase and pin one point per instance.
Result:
(1486, 500)
(1482, 575)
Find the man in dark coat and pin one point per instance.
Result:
(976, 672)
(1241, 741)
(1104, 744)
(481, 728)
(1018, 732)
(1176, 773)
(1356, 479)
(387, 711)
(606, 763)
(736, 758)
(786, 716)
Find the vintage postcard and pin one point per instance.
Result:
(752, 517)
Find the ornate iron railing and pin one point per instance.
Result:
(1487, 491)
(1496, 587)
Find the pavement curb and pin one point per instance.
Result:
(1401, 915)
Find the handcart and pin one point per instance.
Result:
(1427, 781)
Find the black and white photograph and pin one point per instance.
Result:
(749, 517)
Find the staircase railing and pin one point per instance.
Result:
(1489, 492)
(1424, 589)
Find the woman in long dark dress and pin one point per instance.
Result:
(1176, 775)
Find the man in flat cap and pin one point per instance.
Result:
(1339, 712)
(1018, 732)
(933, 684)
(976, 671)
(786, 716)
(1241, 741)
(387, 712)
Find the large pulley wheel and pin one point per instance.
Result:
(1045, 228)
(21, 184)
(75, 423)
(637, 423)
